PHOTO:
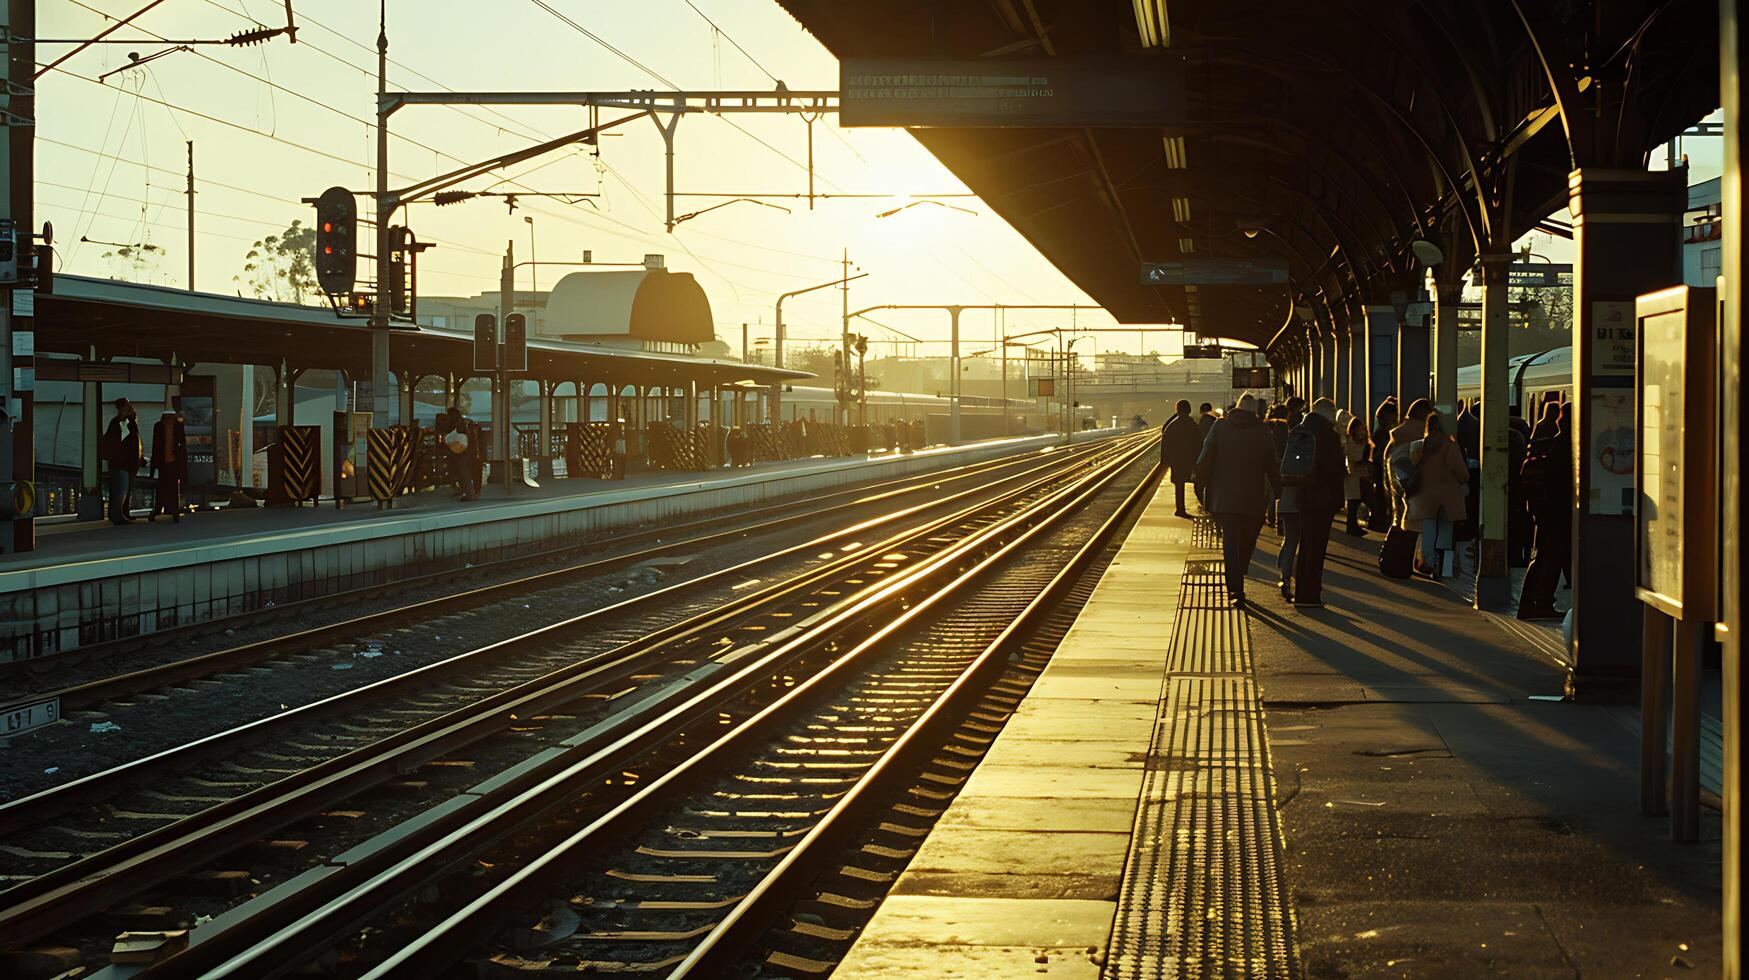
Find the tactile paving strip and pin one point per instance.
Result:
(1203, 894)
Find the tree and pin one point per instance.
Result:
(1541, 318)
(282, 266)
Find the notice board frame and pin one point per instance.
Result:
(1675, 341)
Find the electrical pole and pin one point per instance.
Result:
(17, 319)
(385, 210)
(500, 387)
(191, 216)
(844, 341)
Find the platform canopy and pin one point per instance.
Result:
(122, 319)
(1322, 137)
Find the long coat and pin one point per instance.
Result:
(1239, 466)
(1444, 483)
(1180, 444)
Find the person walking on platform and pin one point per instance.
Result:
(1239, 470)
(1275, 421)
(1205, 423)
(1518, 533)
(1436, 494)
(1547, 480)
(121, 450)
(1180, 444)
(616, 459)
(1358, 484)
(170, 465)
(1287, 504)
(1314, 467)
(1379, 504)
(1398, 458)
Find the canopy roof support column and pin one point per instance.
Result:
(1384, 325)
(1627, 240)
(1493, 587)
(1448, 293)
(1412, 355)
(1734, 268)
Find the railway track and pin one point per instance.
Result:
(537, 726)
(658, 543)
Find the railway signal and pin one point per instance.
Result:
(515, 342)
(336, 241)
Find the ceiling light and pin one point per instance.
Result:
(1181, 209)
(1152, 23)
(1187, 245)
(1175, 158)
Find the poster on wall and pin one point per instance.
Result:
(1612, 338)
(1610, 457)
(200, 428)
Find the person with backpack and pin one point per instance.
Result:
(120, 448)
(1314, 466)
(1239, 469)
(1436, 494)
(1180, 443)
(1547, 482)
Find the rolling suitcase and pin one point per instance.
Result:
(1397, 557)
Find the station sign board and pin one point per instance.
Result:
(986, 93)
(1215, 272)
(1207, 352)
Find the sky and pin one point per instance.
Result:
(111, 157)
(279, 122)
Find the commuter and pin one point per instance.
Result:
(1469, 428)
(458, 437)
(1314, 466)
(1518, 533)
(1296, 412)
(616, 459)
(1398, 458)
(1378, 506)
(169, 465)
(1360, 483)
(1547, 480)
(891, 435)
(121, 450)
(1549, 423)
(1435, 492)
(1239, 470)
(1278, 429)
(1205, 423)
(1287, 508)
(1180, 444)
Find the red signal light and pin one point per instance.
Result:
(327, 226)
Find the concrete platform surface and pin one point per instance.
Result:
(1435, 821)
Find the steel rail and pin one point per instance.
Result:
(72, 891)
(431, 952)
(761, 908)
(284, 929)
(90, 693)
(34, 808)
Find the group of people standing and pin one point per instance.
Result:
(1413, 477)
(121, 450)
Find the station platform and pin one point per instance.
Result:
(89, 582)
(1374, 788)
